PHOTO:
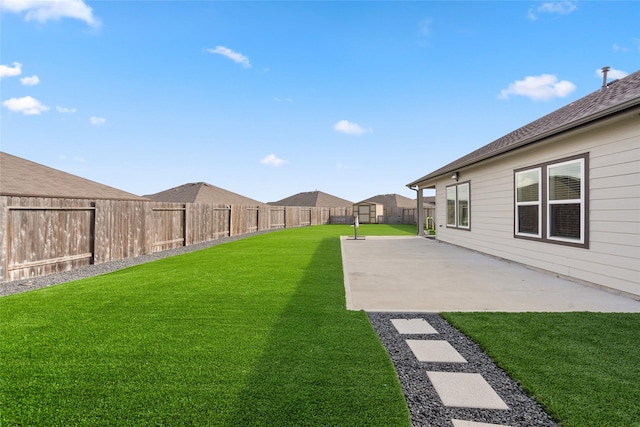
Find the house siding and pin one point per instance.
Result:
(613, 257)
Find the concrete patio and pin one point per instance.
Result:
(416, 274)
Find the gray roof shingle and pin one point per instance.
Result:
(392, 201)
(201, 192)
(21, 177)
(617, 96)
(313, 198)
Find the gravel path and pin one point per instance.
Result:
(424, 404)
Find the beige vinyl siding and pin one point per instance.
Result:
(613, 257)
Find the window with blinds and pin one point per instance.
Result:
(550, 202)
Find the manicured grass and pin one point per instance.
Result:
(584, 368)
(253, 332)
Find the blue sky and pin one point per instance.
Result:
(269, 99)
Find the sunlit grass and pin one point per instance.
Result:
(584, 368)
(253, 332)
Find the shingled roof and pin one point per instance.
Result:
(201, 192)
(392, 201)
(615, 97)
(313, 198)
(21, 177)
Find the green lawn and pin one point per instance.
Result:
(584, 368)
(252, 332)
(255, 333)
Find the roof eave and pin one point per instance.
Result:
(630, 104)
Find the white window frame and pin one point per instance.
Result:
(580, 201)
(537, 202)
(456, 204)
(545, 206)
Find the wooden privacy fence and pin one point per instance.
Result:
(42, 236)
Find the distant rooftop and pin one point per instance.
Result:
(313, 198)
(201, 192)
(21, 177)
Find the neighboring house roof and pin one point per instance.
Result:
(617, 96)
(313, 198)
(391, 201)
(201, 192)
(21, 177)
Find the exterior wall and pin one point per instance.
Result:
(613, 257)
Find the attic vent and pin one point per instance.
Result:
(605, 70)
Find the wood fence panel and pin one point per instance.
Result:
(167, 226)
(292, 217)
(325, 216)
(277, 215)
(44, 236)
(121, 229)
(236, 220)
(250, 219)
(306, 216)
(207, 222)
(264, 217)
(4, 238)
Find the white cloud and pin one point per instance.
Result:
(425, 26)
(542, 87)
(65, 110)
(45, 10)
(345, 126)
(612, 73)
(234, 56)
(617, 48)
(30, 81)
(97, 121)
(283, 99)
(558, 8)
(27, 105)
(272, 160)
(7, 71)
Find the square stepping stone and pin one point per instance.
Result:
(435, 351)
(413, 326)
(462, 423)
(462, 390)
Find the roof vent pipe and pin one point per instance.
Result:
(605, 70)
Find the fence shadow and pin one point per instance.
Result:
(322, 365)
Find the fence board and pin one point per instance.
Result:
(41, 236)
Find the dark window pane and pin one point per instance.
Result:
(528, 219)
(463, 205)
(565, 220)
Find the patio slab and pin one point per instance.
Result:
(416, 274)
(413, 326)
(464, 390)
(435, 351)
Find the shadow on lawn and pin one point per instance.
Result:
(322, 365)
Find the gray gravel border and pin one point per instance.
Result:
(17, 286)
(425, 405)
